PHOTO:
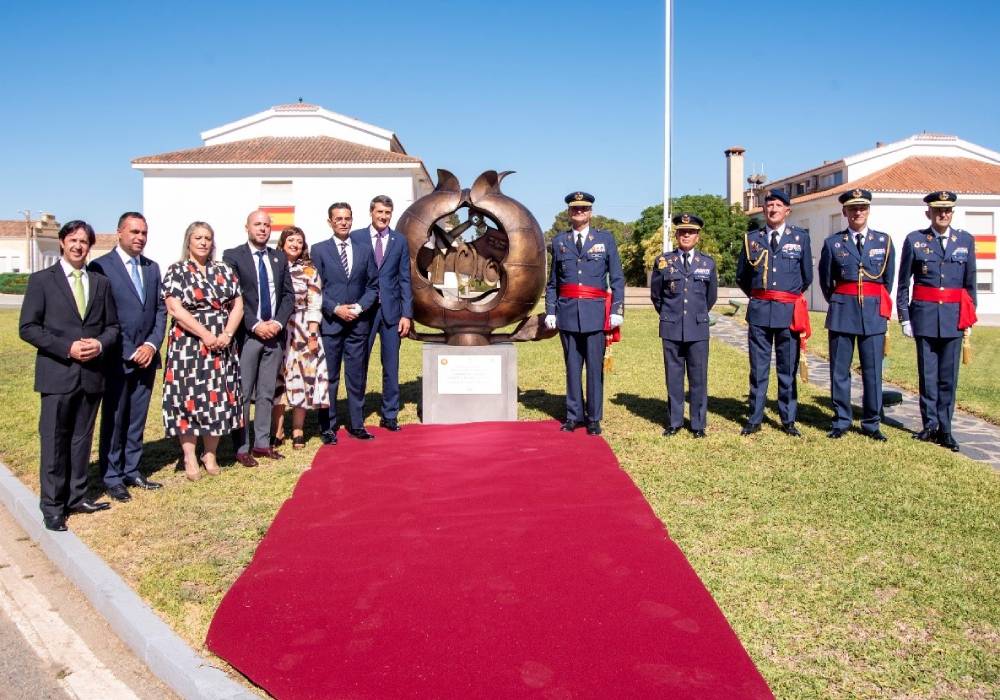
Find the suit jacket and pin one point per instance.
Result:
(923, 260)
(361, 288)
(840, 261)
(245, 265)
(683, 299)
(50, 322)
(140, 321)
(395, 294)
(790, 270)
(598, 265)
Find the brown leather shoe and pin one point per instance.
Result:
(245, 459)
(266, 453)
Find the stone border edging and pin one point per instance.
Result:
(175, 663)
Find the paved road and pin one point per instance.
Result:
(54, 645)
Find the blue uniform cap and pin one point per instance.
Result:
(856, 196)
(579, 199)
(779, 195)
(941, 199)
(687, 221)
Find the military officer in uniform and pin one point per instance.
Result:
(584, 264)
(684, 286)
(774, 268)
(942, 262)
(856, 270)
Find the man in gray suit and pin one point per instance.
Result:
(268, 302)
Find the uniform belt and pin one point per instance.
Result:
(800, 312)
(960, 296)
(860, 288)
(582, 291)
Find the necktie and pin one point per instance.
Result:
(774, 241)
(687, 262)
(136, 280)
(943, 241)
(379, 251)
(858, 242)
(343, 259)
(579, 243)
(265, 294)
(81, 300)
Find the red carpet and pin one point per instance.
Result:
(436, 563)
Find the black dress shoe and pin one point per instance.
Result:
(86, 507)
(56, 524)
(926, 435)
(328, 437)
(750, 429)
(670, 432)
(568, 427)
(594, 428)
(360, 434)
(141, 482)
(790, 429)
(390, 424)
(698, 433)
(946, 440)
(118, 493)
(836, 433)
(875, 435)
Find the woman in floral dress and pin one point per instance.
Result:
(201, 379)
(302, 381)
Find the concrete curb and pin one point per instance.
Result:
(167, 655)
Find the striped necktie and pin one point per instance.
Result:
(343, 258)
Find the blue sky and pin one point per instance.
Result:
(568, 94)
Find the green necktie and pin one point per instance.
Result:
(81, 301)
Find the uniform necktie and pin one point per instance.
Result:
(343, 258)
(136, 280)
(81, 300)
(265, 294)
(943, 241)
(774, 241)
(379, 251)
(579, 243)
(687, 262)
(858, 242)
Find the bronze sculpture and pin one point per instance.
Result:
(474, 277)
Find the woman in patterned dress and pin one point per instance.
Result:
(302, 381)
(201, 379)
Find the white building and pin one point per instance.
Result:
(294, 160)
(899, 175)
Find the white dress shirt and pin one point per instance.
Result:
(68, 270)
(350, 252)
(270, 279)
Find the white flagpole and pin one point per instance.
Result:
(668, 44)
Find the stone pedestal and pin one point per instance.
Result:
(468, 384)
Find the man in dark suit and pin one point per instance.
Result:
(774, 269)
(69, 315)
(941, 261)
(132, 363)
(856, 270)
(268, 302)
(684, 287)
(390, 315)
(349, 277)
(584, 264)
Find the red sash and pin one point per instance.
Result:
(581, 291)
(800, 314)
(960, 296)
(868, 289)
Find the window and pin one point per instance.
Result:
(835, 226)
(832, 179)
(984, 281)
(979, 223)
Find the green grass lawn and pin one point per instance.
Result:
(848, 569)
(978, 389)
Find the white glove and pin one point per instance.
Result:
(616, 320)
(356, 308)
(907, 329)
(968, 332)
(550, 322)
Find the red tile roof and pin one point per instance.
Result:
(280, 149)
(11, 228)
(921, 174)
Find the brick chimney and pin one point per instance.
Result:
(734, 175)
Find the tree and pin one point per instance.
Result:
(619, 229)
(648, 225)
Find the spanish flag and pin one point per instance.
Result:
(986, 247)
(281, 217)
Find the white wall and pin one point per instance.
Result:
(896, 215)
(173, 199)
(298, 124)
